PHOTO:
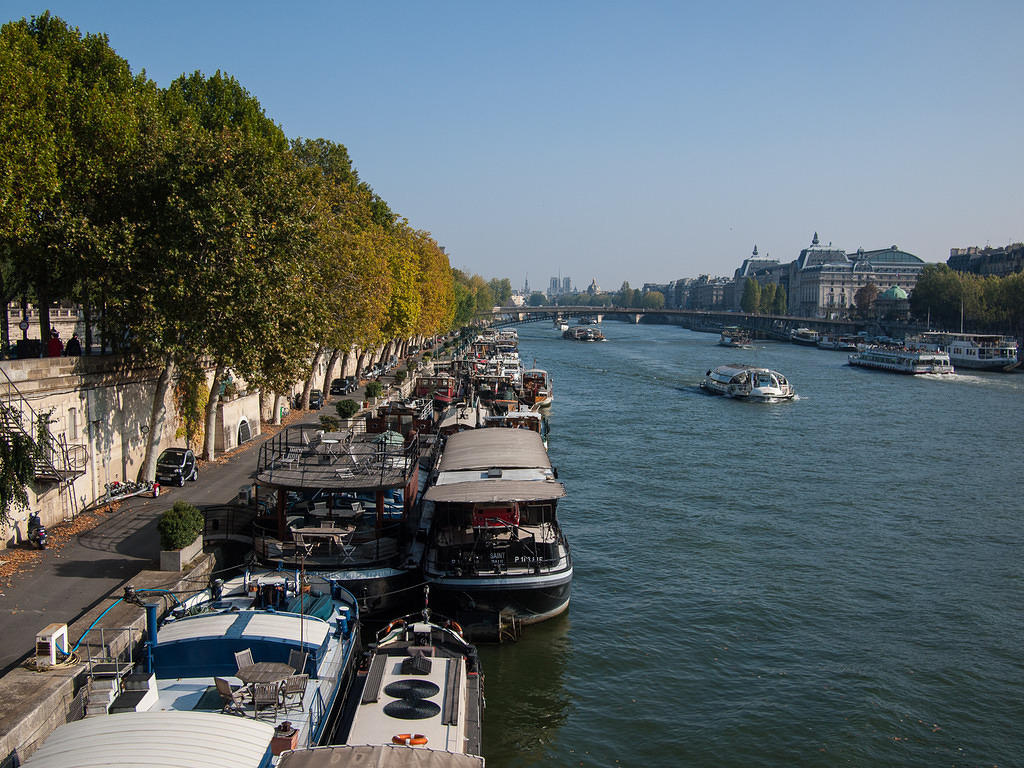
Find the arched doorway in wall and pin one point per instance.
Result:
(244, 433)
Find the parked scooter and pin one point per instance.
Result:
(36, 532)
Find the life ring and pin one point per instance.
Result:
(393, 624)
(409, 739)
(454, 625)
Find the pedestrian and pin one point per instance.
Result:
(54, 347)
(74, 346)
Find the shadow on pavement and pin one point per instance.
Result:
(110, 568)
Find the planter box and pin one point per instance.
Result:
(177, 559)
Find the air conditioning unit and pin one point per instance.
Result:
(50, 641)
(245, 494)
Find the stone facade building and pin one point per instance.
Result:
(988, 261)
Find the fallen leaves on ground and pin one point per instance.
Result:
(18, 560)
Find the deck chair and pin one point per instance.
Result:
(234, 701)
(243, 658)
(293, 690)
(297, 661)
(266, 696)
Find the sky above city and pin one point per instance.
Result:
(641, 141)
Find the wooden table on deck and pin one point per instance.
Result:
(264, 672)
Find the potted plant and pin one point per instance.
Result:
(181, 539)
(346, 408)
(373, 391)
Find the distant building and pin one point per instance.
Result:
(822, 280)
(566, 285)
(750, 267)
(553, 287)
(988, 261)
(593, 289)
(708, 293)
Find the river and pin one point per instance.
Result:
(831, 581)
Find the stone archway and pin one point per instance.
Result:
(244, 433)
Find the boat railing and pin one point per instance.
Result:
(317, 713)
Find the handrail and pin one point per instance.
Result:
(52, 448)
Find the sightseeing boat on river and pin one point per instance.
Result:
(804, 336)
(839, 343)
(748, 382)
(420, 686)
(735, 337)
(493, 551)
(979, 351)
(901, 360)
(583, 333)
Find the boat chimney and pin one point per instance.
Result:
(151, 630)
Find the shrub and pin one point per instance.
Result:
(400, 376)
(346, 408)
(330, 423)
(374, 389)
(179, 526)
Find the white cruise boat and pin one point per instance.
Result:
(748, 382)
(980, 351)
(805, 336)
(900, 360)
(735, 337)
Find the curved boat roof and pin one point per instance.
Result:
(483, 491)
(734, 368)
(494, 447)
(162, 739)
(378, 756)
(247, 625)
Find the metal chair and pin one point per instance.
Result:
(266, 696)
(297, 661)
(243, 658)
(293, 690)
(234, 701)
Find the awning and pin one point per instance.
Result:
(491, 491)
(382, 756)
(486, 448)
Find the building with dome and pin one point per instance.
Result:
(822, 280)
(893, 304)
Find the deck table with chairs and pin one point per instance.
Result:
(269, 687)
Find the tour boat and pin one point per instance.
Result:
(736, 337)
(901, 360)
(804, 336)
(583, 333)
(419, 687)
(748, 382)
(842, 343)
(981, 351)
(537, 390)
(493, 551)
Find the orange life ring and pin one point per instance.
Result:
(455, 625)
(393, 624)
(409, 739)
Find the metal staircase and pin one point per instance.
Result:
(54, 460)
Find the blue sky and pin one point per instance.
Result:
(642, 141)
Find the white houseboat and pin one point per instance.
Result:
(899, 360)
(748, 382)
(805, 336)
(735, 337)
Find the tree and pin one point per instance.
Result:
(654, 300)
(751, 300)
(864, 299)
(536, 299)
(767, 301)
(779, 304)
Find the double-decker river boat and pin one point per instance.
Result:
(901, 360)
(980, 351)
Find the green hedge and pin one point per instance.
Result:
(374, 389)
(347, 408)
(179, 526)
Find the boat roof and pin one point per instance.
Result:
(480, 491)
(377, 756)
(242, 625)
(733, 368)
(157, 740)
(494, 447)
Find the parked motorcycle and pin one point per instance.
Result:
(36, 532)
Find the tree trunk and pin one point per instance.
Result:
(304, 403)
(278, 405)
(360, 363)
(156, 421)
(345, 360)
(209, 439)
(329, 373)
(87, 319)
(263, 405)
(44, 316)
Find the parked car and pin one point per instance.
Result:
(351, 385)
(176, 465)
(316, 400)
(338, 387)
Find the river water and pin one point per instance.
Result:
(831, 581)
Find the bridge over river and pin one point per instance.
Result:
(763, 326)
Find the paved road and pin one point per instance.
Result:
(68, 582)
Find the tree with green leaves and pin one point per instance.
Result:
(751, 301)
(779, 305)
(767, 301)
(654, 300)
(864, 299)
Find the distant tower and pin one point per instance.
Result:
(553, 287)
(566, 285)
(815, 240)
(755, 249)
(526, 285)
